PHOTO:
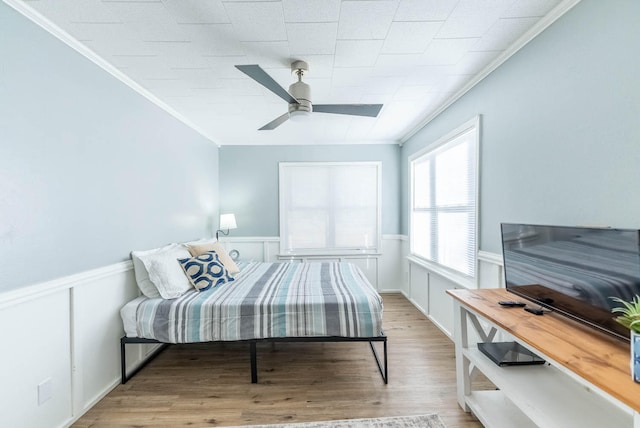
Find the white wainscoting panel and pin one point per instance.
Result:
(427, 289)
(419, 287)
(384, 271)
(258, 248)
(490, 273)
(441, 304)
(390, 272)
(97, 331)
(36, 348)
(67, 330)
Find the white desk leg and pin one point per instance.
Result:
(636, 419)
(463, 380)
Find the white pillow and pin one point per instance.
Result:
(142, 275)
(200, 241)
(166, 273)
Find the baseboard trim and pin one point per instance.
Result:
(392, 291)
(92, 403)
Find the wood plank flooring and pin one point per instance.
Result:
(208, 385)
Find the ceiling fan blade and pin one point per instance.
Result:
(259, 75)
(370, 110)
(275, 123)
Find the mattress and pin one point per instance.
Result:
(266, 300)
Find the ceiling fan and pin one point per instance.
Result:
(299, 96)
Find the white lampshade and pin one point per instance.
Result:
(228, 221)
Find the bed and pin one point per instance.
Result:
(273, 302)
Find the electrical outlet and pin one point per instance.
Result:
(45, 391)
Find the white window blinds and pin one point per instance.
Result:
(443, 201)
(329, 207)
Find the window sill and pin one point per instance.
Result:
(326, 254)
(457, 278)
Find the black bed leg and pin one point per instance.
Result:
(123, 362)
(382, 366)
(254, 362)
(386, 373)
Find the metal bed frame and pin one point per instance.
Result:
(382, 365)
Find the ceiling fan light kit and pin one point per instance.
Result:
(299, 97)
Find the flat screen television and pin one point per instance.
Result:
(573, 270)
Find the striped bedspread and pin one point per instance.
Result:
(269, 300)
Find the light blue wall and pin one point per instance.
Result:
(249, 181)
(89, 170)
(560, 140)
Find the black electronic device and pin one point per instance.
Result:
(512, 304)
(573, 271)
(535, 311)
(509, 354)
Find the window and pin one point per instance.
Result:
(329, 207)
(443, 200)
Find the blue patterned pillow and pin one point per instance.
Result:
(205, 271)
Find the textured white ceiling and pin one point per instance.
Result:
(413, 56)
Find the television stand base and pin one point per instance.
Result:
(585, 383)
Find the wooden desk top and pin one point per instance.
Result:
(600, 359)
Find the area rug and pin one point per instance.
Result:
(419, 421)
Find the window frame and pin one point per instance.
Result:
(469, 281)
(376, 247)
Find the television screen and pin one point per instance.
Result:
(573, 270)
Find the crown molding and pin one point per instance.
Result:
(83, 50)
(532, 33)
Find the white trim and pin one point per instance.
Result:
(441, 327)
(310, 142)
(24, 294)
(83, 50)
(474, 122)
(490, 257)
(392, 237)
(82, 411)
(327, 254)
(457, 278)
(471, 124)
(281, 204)
(251, 239)
(277, 238)
(393, 291)
(532, 33)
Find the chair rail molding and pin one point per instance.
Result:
(487, 256)
(23, 294)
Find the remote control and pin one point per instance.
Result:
(511, 303)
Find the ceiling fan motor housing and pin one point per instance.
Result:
(301, 92)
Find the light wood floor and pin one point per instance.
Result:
(208, 385)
